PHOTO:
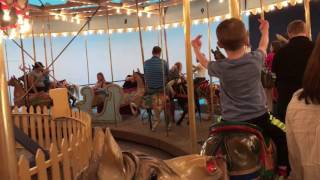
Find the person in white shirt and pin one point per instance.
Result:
(199, 73)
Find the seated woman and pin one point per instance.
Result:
(303, 123)
(101, 81)
(37, 78)
(174, 76)
(99, 91)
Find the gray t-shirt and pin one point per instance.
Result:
(242, 95)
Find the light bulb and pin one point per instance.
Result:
(148, 15)
(118, 10)
(247, 13)
(221, 1)
(128, 12)
(56, 17)
(78, 20)
(149, 28)
(195, 22)
(6, 15)
(271, 7)
(140, 14)
(175, 25)
(20, 19)
(217, 18)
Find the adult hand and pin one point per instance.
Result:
(196, 43)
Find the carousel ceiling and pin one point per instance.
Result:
(66, 17)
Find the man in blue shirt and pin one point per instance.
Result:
(155, 72)
(155, 75)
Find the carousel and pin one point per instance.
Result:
(54, 129)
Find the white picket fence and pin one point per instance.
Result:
(67, 139)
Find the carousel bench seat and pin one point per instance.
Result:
(111, 97)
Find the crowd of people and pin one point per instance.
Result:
(296, 66)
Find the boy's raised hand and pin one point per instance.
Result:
(264, 26)
(196, 42)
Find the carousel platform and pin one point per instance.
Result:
(175, 142)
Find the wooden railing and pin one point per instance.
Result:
(68, 140)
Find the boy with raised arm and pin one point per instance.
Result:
(242, 95)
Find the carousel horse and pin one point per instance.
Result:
(22, 98)
(202, 90)
(248, 155)
(157, 102)
(108, 162)
(181, 94)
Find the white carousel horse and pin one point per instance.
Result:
(108, 162)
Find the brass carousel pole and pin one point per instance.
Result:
(109, 45)
(87, 58)
(33, 43)
(210, 57)
(50, 42)
(234, 9)
(8, 72)
(160, 26)
(262, 9)
(165, 32)
(44, 44)
(307, 17)
(191, 107)
(26, 85)
(140, 34)
(8, 171)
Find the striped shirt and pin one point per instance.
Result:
(155, 72)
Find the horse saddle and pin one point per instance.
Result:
(241, 144)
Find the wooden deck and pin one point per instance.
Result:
(175, 142)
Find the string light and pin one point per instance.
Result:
(270, 7)
(148, 15)
(118, 10)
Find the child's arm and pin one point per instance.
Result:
(264, 40)
(196, 44)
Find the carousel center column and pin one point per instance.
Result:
(8, 169)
